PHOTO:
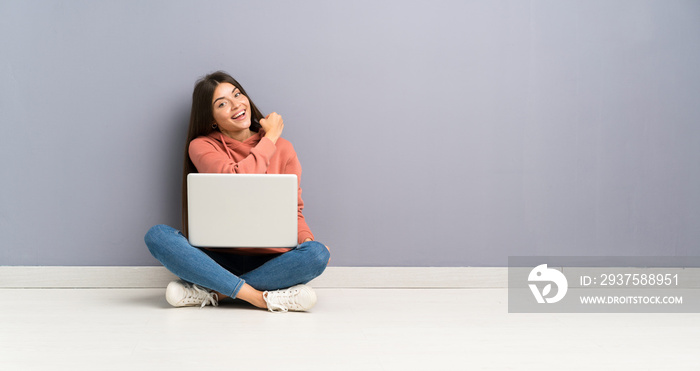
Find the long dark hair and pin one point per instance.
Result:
(201, 120)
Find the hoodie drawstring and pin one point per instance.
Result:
(223, 142)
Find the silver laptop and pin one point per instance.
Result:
(242, 210)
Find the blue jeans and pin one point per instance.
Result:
(226, 273)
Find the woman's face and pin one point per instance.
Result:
(231, 109)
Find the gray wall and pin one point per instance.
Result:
(432, 133)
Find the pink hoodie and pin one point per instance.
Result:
(217, 153)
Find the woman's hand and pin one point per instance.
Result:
(273, 125)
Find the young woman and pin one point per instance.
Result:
(228, 134)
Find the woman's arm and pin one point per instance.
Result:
(294, 167)
(304, 232)
(208, 157)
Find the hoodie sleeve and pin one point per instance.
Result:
(208, 157)
(294, 167)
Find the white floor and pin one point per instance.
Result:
(349, 329)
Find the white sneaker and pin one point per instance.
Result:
(183, 294)
(298, 298)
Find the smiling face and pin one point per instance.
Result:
(231, 110)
